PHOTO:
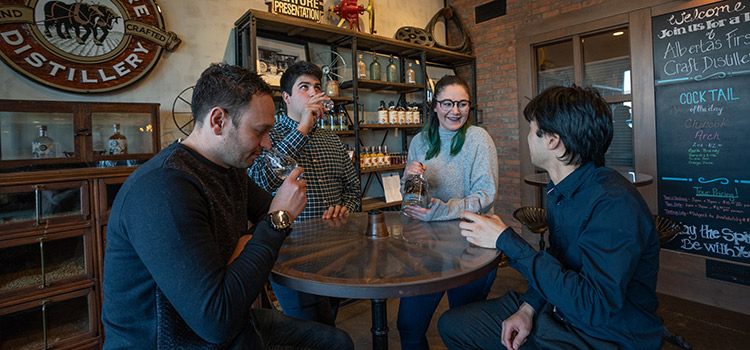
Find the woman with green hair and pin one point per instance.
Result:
(459, 162)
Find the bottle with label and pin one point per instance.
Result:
(382, 113)
(401, 110)
(417, 117)
(322, 123)
(392, 114)
(381, 157)
(43, 146)
(416, 191)
(391, 71)
(386, 156)
(409, 114)
(333, 120)
(361, 68)
(375, 68)
(362, 156)
(118, 143)
(343, 119)
(332, 88)
(411, 77)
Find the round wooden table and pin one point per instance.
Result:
(637, 179)
(335, 258)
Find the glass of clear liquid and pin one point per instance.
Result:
(327, 104)
(472, 205)
(281, 164)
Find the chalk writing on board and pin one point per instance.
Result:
(720, 241)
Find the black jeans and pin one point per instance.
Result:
(272, 330)
(479, 326)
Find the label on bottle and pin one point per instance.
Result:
(361, 70)
(43, 149)
(118, 146)
(382, 117)
(392, 116)
(368, 161)
(402, 116)
(409, 116)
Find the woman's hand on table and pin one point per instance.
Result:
(481, 230)
(420, 213)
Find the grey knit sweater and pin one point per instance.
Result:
(471, 172)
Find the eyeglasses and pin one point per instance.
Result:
(447, 105)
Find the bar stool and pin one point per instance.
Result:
(668, 230)
(535, 219)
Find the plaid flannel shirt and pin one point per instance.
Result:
(329, 172)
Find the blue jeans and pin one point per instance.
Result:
(270, 329)
(305, 306)
(415, 313)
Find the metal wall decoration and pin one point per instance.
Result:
(83, 46)
(425, 36)
(349, 12)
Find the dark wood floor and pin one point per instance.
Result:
(704, 327)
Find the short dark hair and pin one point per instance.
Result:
(580, 116)
(227, 86)
(297, 70)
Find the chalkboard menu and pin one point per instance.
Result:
(702, 88)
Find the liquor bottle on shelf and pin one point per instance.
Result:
(118, 143)
(401, 113)
(361, 68)
(322, 123)
(382, 113)
(43, 146)
(387, 156)
(409, 114)
(333, 120)
(417, 117)
(362, 153)
(375, 68)
(391, 71)
(411, 77)
(368, 157)
(343, 120)
(392, 114)
(332, 88)
(380, 157)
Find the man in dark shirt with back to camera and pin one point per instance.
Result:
(595, 287)
(179, 270)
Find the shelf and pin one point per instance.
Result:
(328, 34)
(344, 132)
(390, 126)
(377, 203)
(380, 169)
(378, 85)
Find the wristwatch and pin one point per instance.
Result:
(280, 221)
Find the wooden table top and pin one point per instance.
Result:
(637, 179)
(335, 258)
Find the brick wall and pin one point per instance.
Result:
(494, 45)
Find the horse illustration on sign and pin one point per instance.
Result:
(76, 16)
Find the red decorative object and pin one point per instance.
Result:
(349, 11)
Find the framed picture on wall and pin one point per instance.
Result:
(434, 73)
(274, 56)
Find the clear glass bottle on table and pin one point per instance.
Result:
(391, 71)
(375, 68)
(361, 68)
(416, 191)
(118, 143)
(43, 146)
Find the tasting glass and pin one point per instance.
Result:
(280, 164)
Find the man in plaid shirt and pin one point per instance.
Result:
(333, 184)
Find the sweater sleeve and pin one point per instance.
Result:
(172, 235)
(289, 145)
(482, 177)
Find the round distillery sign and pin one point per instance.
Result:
(83, 45)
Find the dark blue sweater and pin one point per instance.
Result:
(602, 265)
(173, 226)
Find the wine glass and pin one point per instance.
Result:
(280, 164)
(327, 104)
(473, 205)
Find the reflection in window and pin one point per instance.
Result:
(555, 65)
(620, 152)
(606, 58)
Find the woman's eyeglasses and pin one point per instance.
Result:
(447, 105)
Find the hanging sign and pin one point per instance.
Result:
(306, 9)
(84, 46)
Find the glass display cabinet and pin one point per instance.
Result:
(61, 166)
(56, 134)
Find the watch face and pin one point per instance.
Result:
(280, 219)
